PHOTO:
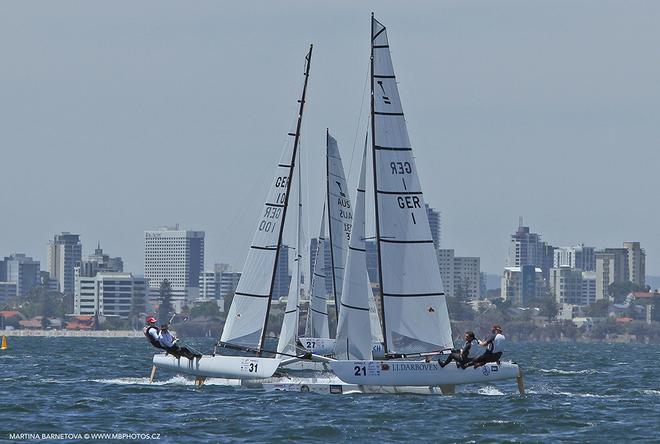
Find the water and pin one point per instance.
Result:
(576, 392)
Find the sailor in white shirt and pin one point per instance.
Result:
(494, 344)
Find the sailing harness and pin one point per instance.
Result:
(151, 339)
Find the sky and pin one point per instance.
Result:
(117, 117)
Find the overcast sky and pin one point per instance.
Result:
(116, 117)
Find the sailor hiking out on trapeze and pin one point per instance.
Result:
(494, 344)
(163, 339)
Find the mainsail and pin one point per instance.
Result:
(415, 317)
(248, 315)
(340, 215)
(354, 315)
(317, 315)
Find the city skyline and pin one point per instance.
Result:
(183, 128)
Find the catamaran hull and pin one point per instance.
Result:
(232, 367)
(419, 373)
(326, 347)
(334, 386)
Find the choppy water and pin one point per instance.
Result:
(586, 393)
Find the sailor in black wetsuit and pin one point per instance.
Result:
(462, 356)
(152, 332)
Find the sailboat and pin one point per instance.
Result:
(340, 218)
(414, 314)
(247, 320)
(340, 214)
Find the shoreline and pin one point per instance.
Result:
(75, 333)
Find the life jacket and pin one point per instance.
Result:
(153, 341)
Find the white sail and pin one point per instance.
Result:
(376, 328)
(248, 314)
(317, 315)
(340, 215)
(353, 340)
(289, 332)
(414, 306)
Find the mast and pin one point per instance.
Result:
(296, 141)
(375, 178)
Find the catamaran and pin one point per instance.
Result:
(414, 314)
(247, 320)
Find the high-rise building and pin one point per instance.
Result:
(521, 284)
(578, 256)
(467, 278)
(7, 291)
(435, 224)
(178, 256)
(446, 264)
(64, 253)
(611, 267)
(99, 263)
(282, 276)
(636, 263)
(208, 286)
(110, 294)
(460, 276)
(526, 248)
(22, 270)
(588, 287)
(566, 285)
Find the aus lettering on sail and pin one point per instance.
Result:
(273, 210)
(345, 211)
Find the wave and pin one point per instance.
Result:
(556, 371)
(569, 394)
(651, 392)
(175, 380)
(490, 391)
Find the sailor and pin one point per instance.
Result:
(462, 356)
(494, 344)
(151, 332)
(168, 342)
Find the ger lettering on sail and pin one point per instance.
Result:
(414, 310)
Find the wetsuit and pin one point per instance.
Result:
(167, 342)
(494, 350)
(461, 357)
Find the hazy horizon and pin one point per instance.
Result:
(122, 117)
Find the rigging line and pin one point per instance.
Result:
(357, 127)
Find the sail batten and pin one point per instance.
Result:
(414, 310)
